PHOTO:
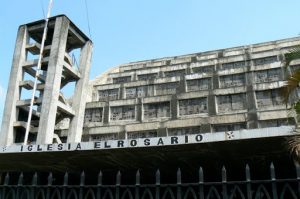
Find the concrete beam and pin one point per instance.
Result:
(34, 48)
(61, 107)
(70, 72)
(32, 72)
(28, 84)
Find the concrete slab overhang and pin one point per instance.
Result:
(212, 155)
(75, 36)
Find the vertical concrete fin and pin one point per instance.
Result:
(53, 81)
(13, 91)
(79, 97)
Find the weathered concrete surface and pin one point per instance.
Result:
(79, 97)
(53, 82)
(231, 80)
(10, 111)
(57, 70)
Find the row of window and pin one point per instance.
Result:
(195, 69)
(270, 75)
(225, 103)
(193, 130)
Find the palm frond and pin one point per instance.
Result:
(292, 55)
(293, 145)
(290, 85)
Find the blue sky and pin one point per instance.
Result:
(134, 30)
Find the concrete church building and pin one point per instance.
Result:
(171, 126)
(225, 90)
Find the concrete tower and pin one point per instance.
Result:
(58, 71)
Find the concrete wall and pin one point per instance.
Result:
(227, 89)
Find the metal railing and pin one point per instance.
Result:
(274, 188)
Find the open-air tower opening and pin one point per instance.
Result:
(64, 72)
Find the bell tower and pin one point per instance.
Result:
(59, 68)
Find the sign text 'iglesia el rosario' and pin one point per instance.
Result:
(152, 142)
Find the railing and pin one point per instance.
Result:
(246, 189)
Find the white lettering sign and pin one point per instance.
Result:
(153, 142)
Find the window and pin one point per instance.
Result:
(268, 75)
(122, 113)
(203, 69)
(174, 73)
(229, 127)
(265, 60)
(147, 76)
(105, 95)
(142, 134)
(120, 80)
(166, 89)
(184, 131)
(134, 92)
(156, 110)
(231, 102)
(104, 137)
(268, 98)
(232, 80)
(234, 65)
(198, 84)
(93, 115)
(273, 123)
(192, 106)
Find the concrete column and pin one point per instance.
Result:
(79, 97)
(211, 104)
(252, 117)
(285, 72)
(53, 81)
(139, 110)
(151, 90)
(106, 113)
(215, 80)
(13, 91)
(122, 92)
(134, 77)
(174, 107)
(182, 87)
(250, 78)
(189, 70)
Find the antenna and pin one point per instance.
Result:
(37, 71)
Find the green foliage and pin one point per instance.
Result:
(293, 80)
(290, 86)
(296, 107)
(292, 55)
